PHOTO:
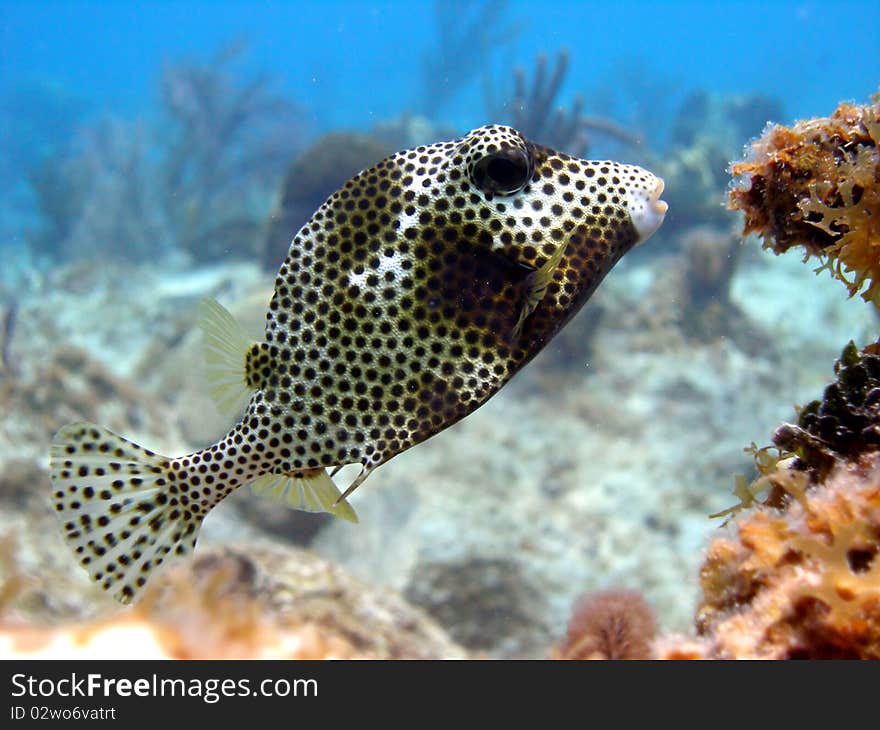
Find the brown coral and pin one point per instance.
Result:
(612, 624)
(817, 185)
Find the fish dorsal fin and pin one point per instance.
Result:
(311, 491)
(228, 353)
(536, 286)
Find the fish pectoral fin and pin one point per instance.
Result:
(116, 508)
(536, 286)
(227, 351)
(311, 491)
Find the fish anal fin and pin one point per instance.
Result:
(311, 490)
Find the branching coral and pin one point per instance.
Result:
(612, 624)
(198, 180)
(533, 111)
(817, 185)
(467, 35)
(227, 140)
(803, 581)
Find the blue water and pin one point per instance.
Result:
(352, 63)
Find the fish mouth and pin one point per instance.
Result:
(647, 210)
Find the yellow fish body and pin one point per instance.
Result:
(412, 295)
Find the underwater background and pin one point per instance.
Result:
(155, 153)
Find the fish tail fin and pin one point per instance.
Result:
(123, 509)
(232, 359)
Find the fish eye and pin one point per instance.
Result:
(503, 173)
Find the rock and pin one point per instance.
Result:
(252, 600)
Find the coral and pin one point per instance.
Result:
(802, 581)
(612, 624)
(320, 170)
(801, 578)
(533, 112)
(99, 195)
(690, 302)
(7, 332)
(817, 185)
(467, 37)
(228, 139)
(258, 601)
(197, 180)
(845, 423)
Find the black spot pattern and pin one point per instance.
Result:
(393, 315)
(405, 302)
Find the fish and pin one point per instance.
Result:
(408, 299)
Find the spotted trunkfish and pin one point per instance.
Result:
(411, 296)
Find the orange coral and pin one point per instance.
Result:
(802, 581)
(817, 185)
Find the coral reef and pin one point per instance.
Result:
(197, 180)
(817, 185)
(801, 581)
(533, 111)
(467, 36)
(320, 170)
(800, 578)
(613, 624)
(256, 601)
(845, 423)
